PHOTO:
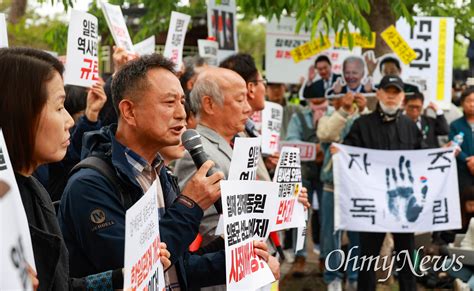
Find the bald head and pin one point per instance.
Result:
(215, 83)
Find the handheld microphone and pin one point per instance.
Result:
(191, 141)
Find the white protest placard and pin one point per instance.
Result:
(208, 50)
(243, 165)
(307, 149)
(222, 25)
(395, 191)
(245, 157)
(290, 212)
(82, 61)
(118, 27)
(272, 117)
(16, 251)
(175, 38)
(145, 47)
(143, 269)
(3, 31)
(301, 233)
(248, 211)
(281, 39)
(432, 38)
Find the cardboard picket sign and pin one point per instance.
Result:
(290, 212)
(208, 49)
(82, 61)
(432, 39)
(3, 31)
(145, 47)
(175, 38)
(118, 27)
(272, 117)
(222, 25)
(142, 266)
(16, 250)
(307, 149)
(243, 165)
(248, 211)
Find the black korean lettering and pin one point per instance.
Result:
(364, 162)
(3, 163)
(421, 30)
(233, 233)
(81, 44)
(440, 161)
(231, 206)
(86, 28)
(259, 204)
(422, 60)
(440, 211)
(279, 42)
(363, 208)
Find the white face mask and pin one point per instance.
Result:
(390, 110)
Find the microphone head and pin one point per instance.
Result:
(191, 139)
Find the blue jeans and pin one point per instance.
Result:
(331, 240)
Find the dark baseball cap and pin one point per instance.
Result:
(391, 81)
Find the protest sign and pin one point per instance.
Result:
(301, 233)
(358, 40)
(281, 39)
(118, 27)
(398, 44)
(432, 38)
(145, 47)
(243, 165)
(143, 269)
(245, 157)
(3, 31)
(222, 25)
(310, 48)
(82, 61)
(175, 38)
(272, 117)
(307, 149)
(248, 212)
(208, 50)
(395, 191)
(290, 213)
(16, 250)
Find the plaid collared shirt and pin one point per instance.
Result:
(144, 172)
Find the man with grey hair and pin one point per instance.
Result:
(219, 98)
(353, 69)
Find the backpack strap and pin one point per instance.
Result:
(106, 170)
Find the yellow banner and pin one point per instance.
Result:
(441, 59)
(310, 49)
(399, 46)
(359, 40)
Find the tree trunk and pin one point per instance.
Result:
(380, 17)
(17, 10)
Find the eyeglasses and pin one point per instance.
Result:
(263, 80)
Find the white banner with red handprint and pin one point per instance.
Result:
(395, 191)
(82, 61)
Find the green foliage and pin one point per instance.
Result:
(252, 40)
(460, 61)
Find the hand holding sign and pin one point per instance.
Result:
(164, 256)
(120, 57)
(96, 99)
(337, 88)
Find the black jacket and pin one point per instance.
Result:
(373, 132)
(431, 128)
(95, 249)
(316, 89)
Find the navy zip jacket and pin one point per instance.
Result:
(92, 219)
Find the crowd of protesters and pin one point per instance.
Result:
(78, 151)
